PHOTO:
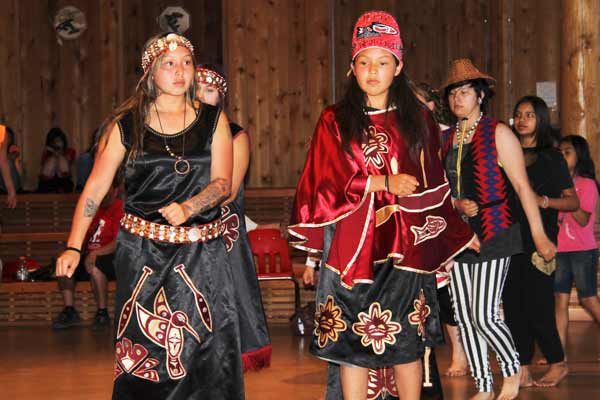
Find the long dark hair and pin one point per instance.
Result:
(585, 164)
(354, 122)
(54, 133)
(11, 136)
(545, 135)
(139, 104)
(441, 113)
(481, 87)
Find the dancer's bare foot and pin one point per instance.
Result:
(542, 361)
(510, 387)
(526, 379)
(456, 371)
(459, 365)
(483, 396)
(554, 375)
(457, 368)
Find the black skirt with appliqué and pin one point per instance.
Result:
(254, 333)
(177, 331)
(374, 325)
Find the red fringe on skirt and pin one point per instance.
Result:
(257, 359)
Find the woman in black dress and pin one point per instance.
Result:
(211, 88)
(529, 293)
(176, 319)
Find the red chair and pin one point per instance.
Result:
(272, 256)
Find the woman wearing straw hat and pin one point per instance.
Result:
(485, 166)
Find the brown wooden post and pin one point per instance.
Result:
(579, 72)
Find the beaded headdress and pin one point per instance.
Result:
(210, 77)
(377, 29)
(161, 45)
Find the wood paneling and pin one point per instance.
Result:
(74, 85)
(285, 60)
(278, 62)
(580, 72)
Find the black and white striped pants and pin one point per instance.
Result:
(476, 292)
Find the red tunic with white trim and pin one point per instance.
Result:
(420, 232)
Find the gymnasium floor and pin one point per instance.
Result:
(37, 363)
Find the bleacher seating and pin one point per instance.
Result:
(38, 229)
(39, 226)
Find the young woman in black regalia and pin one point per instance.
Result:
(211, 88)
(176, 319)
(528, 295)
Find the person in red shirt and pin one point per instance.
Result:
(96, 263)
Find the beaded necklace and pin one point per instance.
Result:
(181, 165)
(461, 138)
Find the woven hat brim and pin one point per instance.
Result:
(469, 77)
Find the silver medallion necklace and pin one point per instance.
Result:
(181, 165)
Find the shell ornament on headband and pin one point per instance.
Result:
(161, 45)
(210, 77)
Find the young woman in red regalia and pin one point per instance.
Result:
(373, 200)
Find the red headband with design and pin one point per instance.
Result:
(212, 78)
(377, 29)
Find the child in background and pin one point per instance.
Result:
(577, 256)
(96, 264)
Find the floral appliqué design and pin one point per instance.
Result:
(133, 359)
(231, 221)
(374, 148)
(376, 328)
(328, 322)
(419, 316)
(381, 383)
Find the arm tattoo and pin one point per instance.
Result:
(210, 197)
(90, 208)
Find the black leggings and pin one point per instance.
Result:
(528, 300)
(445, 302)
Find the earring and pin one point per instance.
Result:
(479, 100)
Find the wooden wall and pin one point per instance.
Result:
(278, 58)
(76, 84)
(286, 60)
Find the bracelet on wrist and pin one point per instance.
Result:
(75, 249)
(545, 201)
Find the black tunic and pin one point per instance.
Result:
(177, 327)
(254, 334)
(548, 175)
